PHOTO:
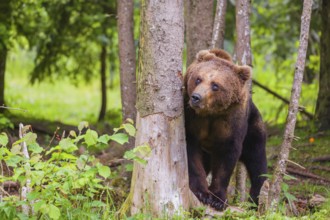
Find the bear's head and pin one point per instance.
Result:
(214, 83)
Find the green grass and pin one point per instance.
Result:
(62, 100)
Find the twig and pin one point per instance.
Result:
(11, 108)
(296, 164)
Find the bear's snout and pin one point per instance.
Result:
(195, 99)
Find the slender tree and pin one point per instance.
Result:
(127, 59)
(103, 62)
(5, 15)
(218, 34)
(162, 185)
(277, 179)
(244, 57)
(323, 99)
(199, 24)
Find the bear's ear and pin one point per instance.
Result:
(221, 54)
(202, 55)
(206, 55)
(244, 72)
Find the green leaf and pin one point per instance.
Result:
(129, 167)
(13, 160)
(143, 150)
(67, 145)
(3, 139)
(73, 133)
(91, 137)
(104, 139)
(35, 148)
(129, 128)
(54, 212)
(97, 203)
(38, 205)
(104, 171)
(16, 149)
(129, 120)
(35, 158)
(119, 138)
(82, 125)
(30, 138)
(33, 195)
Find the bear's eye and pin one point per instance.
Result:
(198, 81)
(215, 87)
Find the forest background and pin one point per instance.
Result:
(59, 64)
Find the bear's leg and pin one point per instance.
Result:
(254, 158)
(223, 164)
(197, 173)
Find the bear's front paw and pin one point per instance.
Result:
(204, 197)
(218, 204)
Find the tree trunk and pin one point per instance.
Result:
(5, 22)
(103, 60)
(244, 57)
(127, 58)
(277, 179)
(218, 34)
(3, 58)
(323, 99)
(199, 24)
(161, 187)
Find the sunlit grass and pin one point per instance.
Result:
(60, 100)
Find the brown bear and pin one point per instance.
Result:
(222, 126)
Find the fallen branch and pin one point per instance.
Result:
(306, 174)
(321, 159)
(276, 95)
(320, 168)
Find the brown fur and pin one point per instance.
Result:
(222, 126)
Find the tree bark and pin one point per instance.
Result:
(3, 59)
(103, 60)
(199, 24)
(127, 58)
(277, 179)
(323, 99)
(244, 57)
(161, 187)
(218, 34)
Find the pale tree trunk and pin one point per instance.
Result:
(161, 187)
(323, 99)
(277, 179)
(244, 57)
(199, 24)
(218, 34)
(103, 61)
(127, 58)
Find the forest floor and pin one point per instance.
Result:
(307, 186)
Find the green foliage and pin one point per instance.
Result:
(5, 122)
(64, 185)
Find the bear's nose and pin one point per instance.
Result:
(195, 98)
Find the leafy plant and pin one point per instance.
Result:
(64, 185)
